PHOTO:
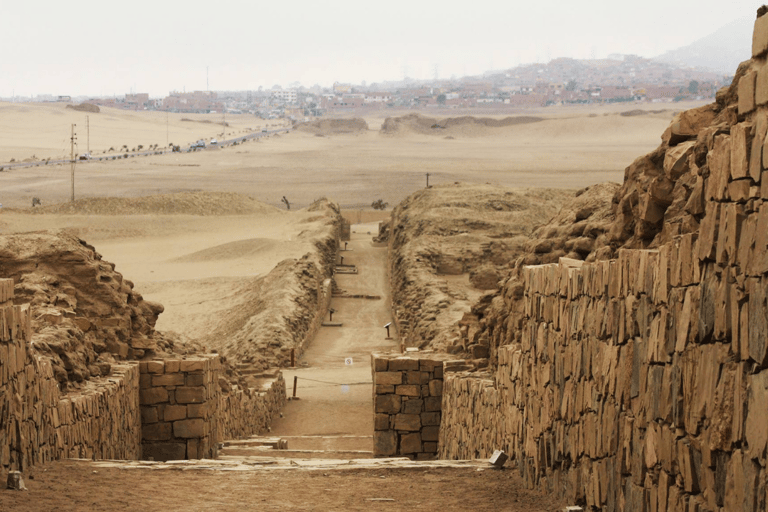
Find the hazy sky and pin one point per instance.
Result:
(110, 48)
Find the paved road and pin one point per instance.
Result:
(342, 403)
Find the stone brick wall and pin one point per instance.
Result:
(38, 424)
(407, 402)
(247, 412)
(179, 408)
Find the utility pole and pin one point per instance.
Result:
(88, 131)
(72, 157)
(427, 180)
(167, 141)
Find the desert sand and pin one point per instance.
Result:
(194, 263)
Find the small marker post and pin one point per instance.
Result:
(295, 378)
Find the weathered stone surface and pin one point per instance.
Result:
(747, 92)
(173, 412)
(381, 421)
(191, 428)
(389, 378)
(185, 395)
(676, 159)
(164, 451)
(410, 443)
(760, 36)
(153, 396)
(385, 443)
(741, 139)
(410, 422)
(173, 379)
(412, 406)
(401, 364)
(408, 390)
(156, 432)
(389, 404)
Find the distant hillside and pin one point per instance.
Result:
(721, 51)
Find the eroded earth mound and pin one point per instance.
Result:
(334, 126)
(464, 125)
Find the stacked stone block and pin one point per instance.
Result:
(179, 408)
(248, 412)
(38, 424)
(407, 401)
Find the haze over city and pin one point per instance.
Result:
(83, 48)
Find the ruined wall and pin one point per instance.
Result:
(39, 424)
(185, 412)
(641, 382)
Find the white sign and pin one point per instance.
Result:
(348, 361)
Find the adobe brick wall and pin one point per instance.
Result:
(38, 424)
(248, 412)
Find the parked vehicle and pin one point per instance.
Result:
(85, 156)
(213, 142)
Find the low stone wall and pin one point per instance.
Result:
(247, 412)
(37, 424)
(179, 408)
(407, 402)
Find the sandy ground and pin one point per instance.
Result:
(69, 486)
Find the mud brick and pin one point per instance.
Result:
(198, 410)
(192, 365)
(185, 395)
(156, 432)
(194, 379)
(380, 364)
(155, 367)
(433, 404)
(389, 378)
(381, 421)
(152, 396)
(384, 390)
(746, 91)
(760, 36)
(384, 443)
(430, 418)
(173, 412)
(401, 364)
(410, 422)
(412, 406)
(189, 428)
(740, 150)
(389, 404)
(168, 379)
(410, 443)
(148, 415)
(408, 390)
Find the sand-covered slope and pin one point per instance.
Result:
(449, 245)
(333, 126)
(451, 126)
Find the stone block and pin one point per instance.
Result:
(719, 161)
(435, 388)
(189, 428)
(498, 459)
(413, 377)
(194, 449)
(164, 451)
(193, 365)
(413, 406)
(408, 390)
(410, 422)
(168, 379)
(198, 410)
(433, 404)
(756, 155)
(389, 404)
(431, 433)
(389, 378)
(380, 364)
(384, 443)
(746, 91)
(152, 396)
(676, 159)
(155, 367)
(410, 443)
(156, 432)
(381, 421)
(149, 415)
(172, 366)
(740, 150)
(195, 379)
(760, 36)
(384, 390)
(430, 447)
(430, 418)
(739, 190)
(145, 381)
(402, 363)
(173, 412)
(185, 395)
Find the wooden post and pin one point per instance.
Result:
(295, 378)
(293, 358)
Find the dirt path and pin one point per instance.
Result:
(334, 389)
